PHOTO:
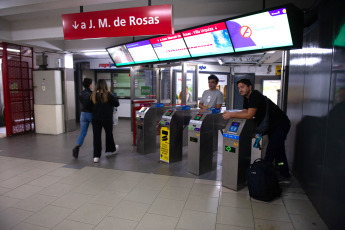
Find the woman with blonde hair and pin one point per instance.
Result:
(102, 117)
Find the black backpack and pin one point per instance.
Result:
(262, 181)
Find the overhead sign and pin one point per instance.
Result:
(138, 21)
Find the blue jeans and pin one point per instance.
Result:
(85, 120)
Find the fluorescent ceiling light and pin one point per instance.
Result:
(312, 51)
(86, 51)
(305, 61)
(11, 50)
(96, 53)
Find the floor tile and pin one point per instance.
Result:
(58, 189)
(235, 216)
(8, 174)
(34, 203)
(108, 198)
(121, 185)
(303, 207)
(209, 182)
(72, 200)
(15, 182)
(270, 224)
(45, 181)
(110, 223)
(180, 182)
(12, 216)
(167, 207)
(89, 188)
(205, 190)
(202, 204)
(194, 220)
(269, 211)
(23, 191)
(90, 213)
(157, 222)
(236, 200)
(294, 196)
(142, 195)
(230, 227)
(26, 226)
(153, 182)
(175, 193)
(307, 222)
(62, 172)
(33, 173)
(75, 179)
(133, 176)
(71, 225)
(6, 202)
(49, 216)
(129, 210)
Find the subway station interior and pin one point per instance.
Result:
(176, 167)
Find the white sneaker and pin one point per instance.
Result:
(96, 160)
(108, 154)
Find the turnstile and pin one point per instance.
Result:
(203, 141)
(173, 132)
(237, 145)
(147, 121)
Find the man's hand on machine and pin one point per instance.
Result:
(227, 115)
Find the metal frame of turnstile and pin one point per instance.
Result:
(173, 137)
(147, 122)
(203, 141)
(237, 145)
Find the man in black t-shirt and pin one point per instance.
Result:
(254, 106)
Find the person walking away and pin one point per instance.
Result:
(85, 115)
(102, 117)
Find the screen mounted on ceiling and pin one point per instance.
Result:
(120, 55)
(142, 52)
(170, 47)
(208, 40)
(265, 30)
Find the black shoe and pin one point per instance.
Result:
(76, 152)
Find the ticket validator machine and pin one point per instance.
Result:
(203, 140)
(174, 132)
(147, 122)
(237, 145)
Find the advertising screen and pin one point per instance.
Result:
(208, 40)
(170, 47)
(120, 55)
(265, 30)
(142, 52)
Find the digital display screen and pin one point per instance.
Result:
(198, 117)
(170, 47)
(234, 127)
(265, 30)
(208, 40)
(169, 113)
(120, 55)
(143, 109)
(142, 52)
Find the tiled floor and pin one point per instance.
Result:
(40, 192)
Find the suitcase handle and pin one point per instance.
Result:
(257, 160)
